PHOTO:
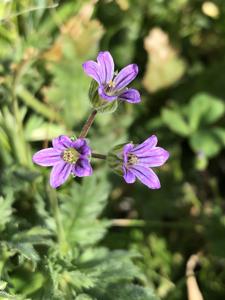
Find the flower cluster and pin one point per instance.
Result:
(68, 156)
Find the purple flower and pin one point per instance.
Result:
(138, 160)
(66, 157)
(112, 87)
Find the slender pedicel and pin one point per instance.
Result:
(99, 156)
(88, 124)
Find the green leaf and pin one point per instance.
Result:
(80, 280)
(112, 267)
(175, 121)
(84, 297)
(6, 210)
(3, 285)
(209, 142)
(80, 211)
(6, 296)
(204, 109)
(36, 235)
(26, 282)
(26, 250)
(130, 292)
(38, 130)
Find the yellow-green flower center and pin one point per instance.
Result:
(111, 84)
(132, 159)
(70, 155)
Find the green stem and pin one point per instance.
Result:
(18, 139)
(36, 105)
(99, 156)
(58, 220)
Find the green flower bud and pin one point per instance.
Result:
(98, 103)
(115, 159)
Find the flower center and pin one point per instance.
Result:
(109, 88)
(132, 159)
(111, 84)
(70, 155)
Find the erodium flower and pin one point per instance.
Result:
(139, 159)
(66, 157)
(111, 86)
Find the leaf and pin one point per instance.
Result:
(84, 297)
(6, 210)
(204, 109)
(27, 282)
(26, 250)
(23, 243)
(80, 211)
(36, 235)
(6, 296)
(3, 285)
(175, 121)
(129, 292)
(112, 267)
(25, 174)
(209, 142)
(38, 130)
(80, 280)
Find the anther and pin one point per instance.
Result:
(70, 155)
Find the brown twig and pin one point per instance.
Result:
(193, 290)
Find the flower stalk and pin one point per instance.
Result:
(99, 156)
(59, 226)
(88, 124)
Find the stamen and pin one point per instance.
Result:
(132, 159)
(70, 155)
(111, 84)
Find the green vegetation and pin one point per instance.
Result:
(98, 238)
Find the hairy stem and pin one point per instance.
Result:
(88, 124)
(59, 226)
(97, 155)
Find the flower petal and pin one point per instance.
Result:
(82, 147)
(62, 142)
(59, 174)
(146, 176)
(130, 95)
(146, 145)
(47, 157)
(92, 69)
(125, 76)
(82, 168)
(106, 66)
(126, 149)
(128, 176)
(154, 158)
(103, 95)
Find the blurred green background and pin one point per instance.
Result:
(65, 244)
